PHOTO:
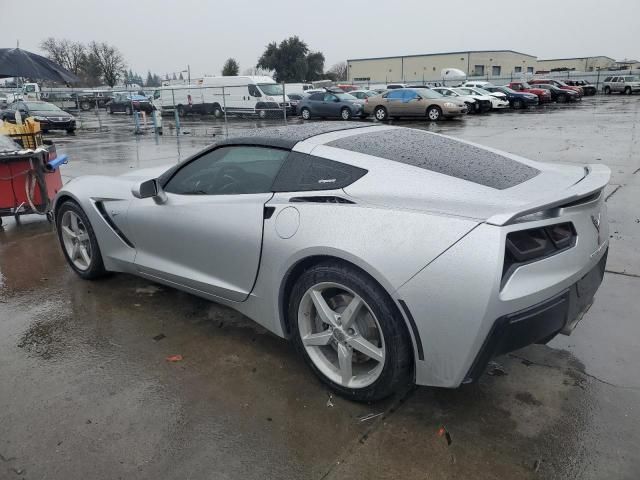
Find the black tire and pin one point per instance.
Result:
(562, 98)
(181, 111)
(262, 114)
(517, 104)
(71, 131)
(381, 114)
(345, 114)
(110, 110)
(85, 106)
(128, 110)
(305, 113)
(627, 91)
(607, 90)
(217, 111)
(96, 268)
(398, 367)
(434, 113)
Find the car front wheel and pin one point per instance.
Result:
(607, 90)
(345, 114)
(517, 104)
(350, 332)
(305, 113)
(434, 113)
(78, 241)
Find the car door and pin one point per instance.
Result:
(394, 101)
(207, 235)
(330, 105)
(412, 106)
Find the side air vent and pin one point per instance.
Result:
(114, 227)
(320, 199)
(526, 246)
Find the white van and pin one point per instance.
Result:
(299, 88)
(186, 99)
(246, 95)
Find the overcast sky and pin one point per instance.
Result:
(164, 36)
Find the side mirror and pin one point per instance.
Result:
(336, 99)
(150, 189)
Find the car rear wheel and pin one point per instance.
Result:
(381, 114)
(627, 91)
(345, 114)
(85, 106)
(607, 90)
(217, 111)
(262, 114)
(78, 241)
(349, 332)
(305, 113)
(128, 110)
(562, 98)
(434, 113)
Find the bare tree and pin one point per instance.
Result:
(340, 70)
(68, 54)
(110, 61)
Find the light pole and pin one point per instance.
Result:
(188, 72)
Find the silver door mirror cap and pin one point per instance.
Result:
(150, 189)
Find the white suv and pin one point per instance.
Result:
(626, 84)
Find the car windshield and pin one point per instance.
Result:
(506, 90)
(270, 88)
(560, 82)
(463, 91)
(370, 93)
(428, 93)
(482, 91)
(525, 85)
(42, 107)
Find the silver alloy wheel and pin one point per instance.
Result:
(341, 335)
(434, 114)
(306, 114)
(76, 240)
(381, 114)
(262, 114)
(345, 114)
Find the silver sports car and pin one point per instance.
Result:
(387, 255)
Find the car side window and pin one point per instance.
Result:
(229, 171)
(328, 97)
(409, 95)
(253, 91)
(396, 94)
(316, 97)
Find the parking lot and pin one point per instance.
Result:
(87, 391)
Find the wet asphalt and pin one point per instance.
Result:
(86, 391)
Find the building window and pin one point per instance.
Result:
(495, 71)
(478, 70)
(529, 69)
(518, 69)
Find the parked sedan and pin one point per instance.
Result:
(543, 95)
(556, 83)
(474, 105)
(560, 95)
(129, 103)
(330, 104)
(414, 102)
(496, 102)
(47, 114)
(587, 88)
(388, 256)
(516, 99)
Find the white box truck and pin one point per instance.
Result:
(238, 95)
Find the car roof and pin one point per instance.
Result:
(287, 137)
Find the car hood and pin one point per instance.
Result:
(143, 174)
(49, 113)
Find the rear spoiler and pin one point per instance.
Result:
(595, 179)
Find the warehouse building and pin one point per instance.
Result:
(416, 68)
(579, 64)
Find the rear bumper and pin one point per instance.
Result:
(541, 322)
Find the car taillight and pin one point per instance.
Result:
(366, 99)
(526, 246)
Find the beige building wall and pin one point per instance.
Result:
(416, 68)
(582, 64)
